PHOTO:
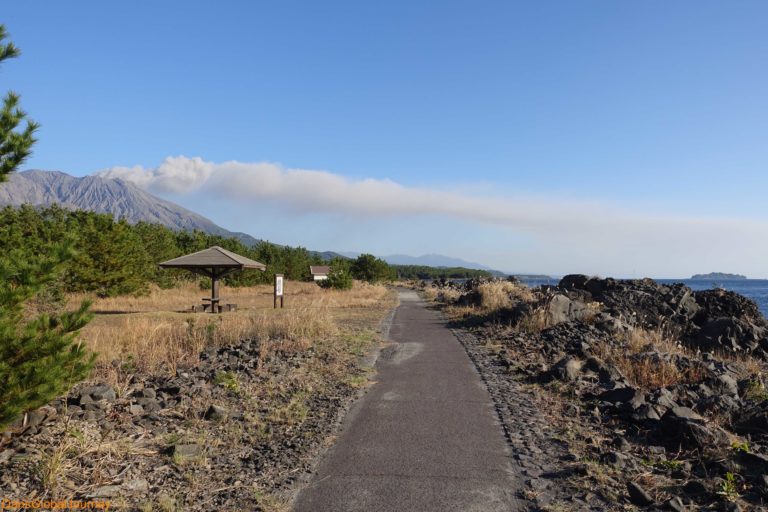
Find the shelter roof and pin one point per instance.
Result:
(213, 257)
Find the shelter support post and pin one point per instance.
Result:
(215, 293)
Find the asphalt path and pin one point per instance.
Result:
(424, 438)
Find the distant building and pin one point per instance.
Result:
(319, 272)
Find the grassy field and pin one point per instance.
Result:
(309, 367)
(155, 333)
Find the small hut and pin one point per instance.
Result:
(215, 263)
(319, 272)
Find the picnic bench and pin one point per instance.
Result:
(213, 305)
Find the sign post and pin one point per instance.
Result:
(278, 289)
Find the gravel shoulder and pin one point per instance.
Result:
(542, 431)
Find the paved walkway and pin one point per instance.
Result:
(424, 438)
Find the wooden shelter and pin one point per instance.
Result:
(215, 263)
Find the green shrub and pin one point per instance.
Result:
(338, 279)
(39, 358)
(368, 267)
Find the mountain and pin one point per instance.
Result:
(120, 198)
(432, 260)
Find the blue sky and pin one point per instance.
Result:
(623, 138)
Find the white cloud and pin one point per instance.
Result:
(177, 175)
(321, 191)
(578, 229)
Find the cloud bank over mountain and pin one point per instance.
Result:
(572, 227)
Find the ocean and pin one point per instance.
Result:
(755, 289)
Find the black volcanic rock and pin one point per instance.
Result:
(641, 301)
(724, 303)
(708, 320)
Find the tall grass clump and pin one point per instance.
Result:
(648, 358)
(496, 295)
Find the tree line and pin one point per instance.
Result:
(113, 257)
(425, 272)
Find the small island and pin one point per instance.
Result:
(722, 276)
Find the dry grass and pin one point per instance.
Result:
(75, 455)
(496, 295)
(430, 293)
(180, 299)
(649, 373)
(444, 295)
(646, 370)
(533, 322)
(750, 367)
(639, 340)
(150, 333)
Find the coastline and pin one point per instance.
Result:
(643, 406)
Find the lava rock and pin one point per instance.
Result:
(753, 464)
(621, 444)
(675, 504)
(573, 281)
(568, 369)
(186, 451)
(682, 413)
(638, 495)
(726, 384)
(98, 392)
(36, 417)
(137, 485)
(753, 421)
(696, 489)
(632, 397)
(216, 413)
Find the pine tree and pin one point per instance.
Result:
(15, 143)
(110, 260)
(39, 357)
(368, 267)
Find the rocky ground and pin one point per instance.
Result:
(232, 432)
(618, 395)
